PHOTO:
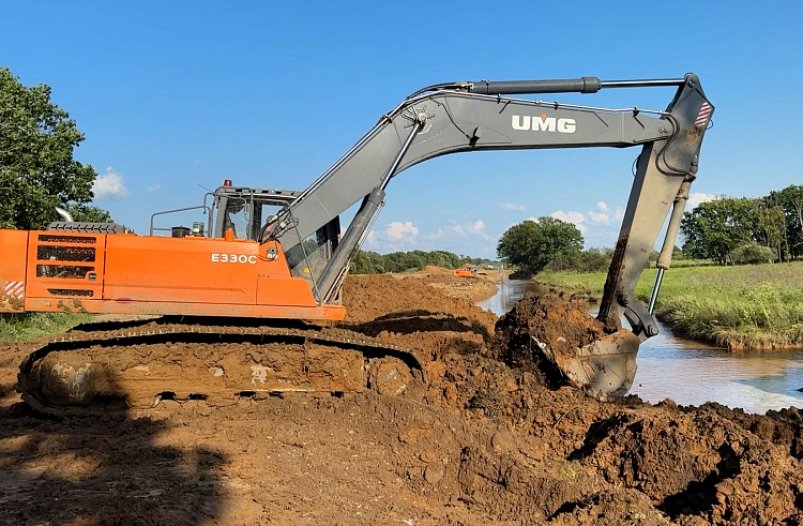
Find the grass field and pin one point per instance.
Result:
(28, 327)
(754, 306)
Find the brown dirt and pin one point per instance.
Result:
(484, 443)
(563, 324)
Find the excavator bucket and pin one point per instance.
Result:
(605, 368)
(558, 338)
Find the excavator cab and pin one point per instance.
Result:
(245, 213)
(237, 208)
(242, 209)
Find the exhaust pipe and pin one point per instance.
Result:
(65, 215)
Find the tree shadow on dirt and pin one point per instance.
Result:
(407, 322)
(6, 391)
(98, 470)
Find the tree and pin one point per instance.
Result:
(770, 230)
(366, 262)
(790, 199)
(715, 228)
(532, 245)
(591, 260)
(37, 168)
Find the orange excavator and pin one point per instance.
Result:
(464, 272)
(280, 255)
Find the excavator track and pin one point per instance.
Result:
(138, 364)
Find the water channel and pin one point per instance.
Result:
(693, 373)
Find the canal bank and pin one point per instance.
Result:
(692, 373)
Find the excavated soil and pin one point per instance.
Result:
(490, 440)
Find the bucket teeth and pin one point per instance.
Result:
(605, 368)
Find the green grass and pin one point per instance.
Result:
(753, 306)
(31, 326)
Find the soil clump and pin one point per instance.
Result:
(489, 440)
(561, 324)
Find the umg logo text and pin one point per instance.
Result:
(544, 123)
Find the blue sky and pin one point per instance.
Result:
(174, 97)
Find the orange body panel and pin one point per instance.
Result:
(463, 273)
(128, 274)
(13, 250)
(196, 270)
(61, 263)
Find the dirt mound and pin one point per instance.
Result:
(409, 312)
(562, 324)
(433, 269)
(487, 442)
(372, 297)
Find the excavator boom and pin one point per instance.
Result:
(474, 116)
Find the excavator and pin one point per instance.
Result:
(464, 272)
(245, 298)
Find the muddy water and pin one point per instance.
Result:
(689, 372)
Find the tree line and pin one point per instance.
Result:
(727, 230)
(548, 243)
(742, 230)
(367, 262)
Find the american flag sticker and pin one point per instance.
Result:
(703, 115)
(14, 289)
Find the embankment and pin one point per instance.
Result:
(747, 307)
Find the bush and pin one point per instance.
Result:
(591, 260)
(751, 254)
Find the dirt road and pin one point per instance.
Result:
(484, 443)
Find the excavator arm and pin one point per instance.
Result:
(476, 116)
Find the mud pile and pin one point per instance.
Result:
(405, 311)
(368, 298)
(488, 441)
(562, 324)
(554, 456)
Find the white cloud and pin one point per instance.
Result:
(401, 232)
(109, 184)
(602, 214)
(472, 230)
(599, 217)
(600, 226)
(576, 218)
(460, 238)
(396, 235)
(695, 198)
(154, 187)
(512, 207)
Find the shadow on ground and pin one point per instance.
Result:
(113, 469)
